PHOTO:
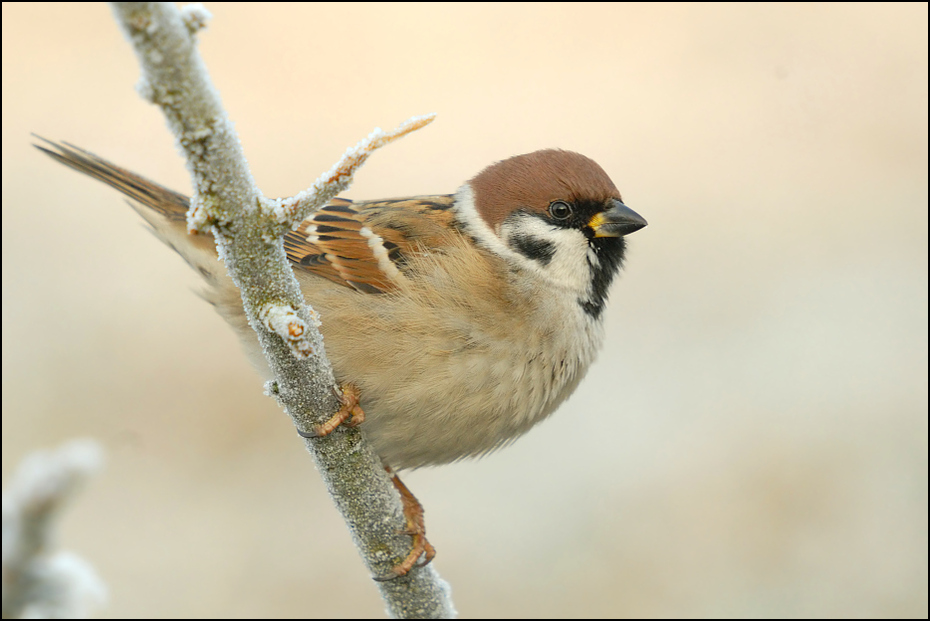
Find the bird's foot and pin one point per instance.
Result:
(350, 411)
(416, 528)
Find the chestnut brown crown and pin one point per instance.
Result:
(534, 180)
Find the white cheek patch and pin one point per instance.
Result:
(467, 215)
(565, 264)
(567, 268)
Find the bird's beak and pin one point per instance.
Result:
(617, 221)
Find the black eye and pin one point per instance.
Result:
(560, 210)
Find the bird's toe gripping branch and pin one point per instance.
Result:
(350, 411)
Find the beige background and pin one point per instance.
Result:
(753, 438)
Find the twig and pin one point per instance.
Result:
(39, 583)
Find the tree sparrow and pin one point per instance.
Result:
(456, 322)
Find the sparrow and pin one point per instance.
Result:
(454, 322)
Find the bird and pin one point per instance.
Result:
(454, 323)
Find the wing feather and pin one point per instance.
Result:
(366, 245)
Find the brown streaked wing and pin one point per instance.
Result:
(365, 245)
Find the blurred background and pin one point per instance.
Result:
(753, 438)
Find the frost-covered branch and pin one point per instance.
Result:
(294, 210)
(248, 229)
(38, 582)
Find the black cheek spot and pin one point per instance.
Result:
(539, 250)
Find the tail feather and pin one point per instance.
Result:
(170, 204)
(163, 209)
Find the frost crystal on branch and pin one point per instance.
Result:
(286, 323)
(195, 17)
(292, 211)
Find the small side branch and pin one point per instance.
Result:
(292, 211)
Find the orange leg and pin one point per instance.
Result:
(413, 510)
(350, 410)
(416, 528)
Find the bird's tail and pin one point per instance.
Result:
(163, 209)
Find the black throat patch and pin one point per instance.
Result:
(609, 252)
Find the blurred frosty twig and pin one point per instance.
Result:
(38, 582)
